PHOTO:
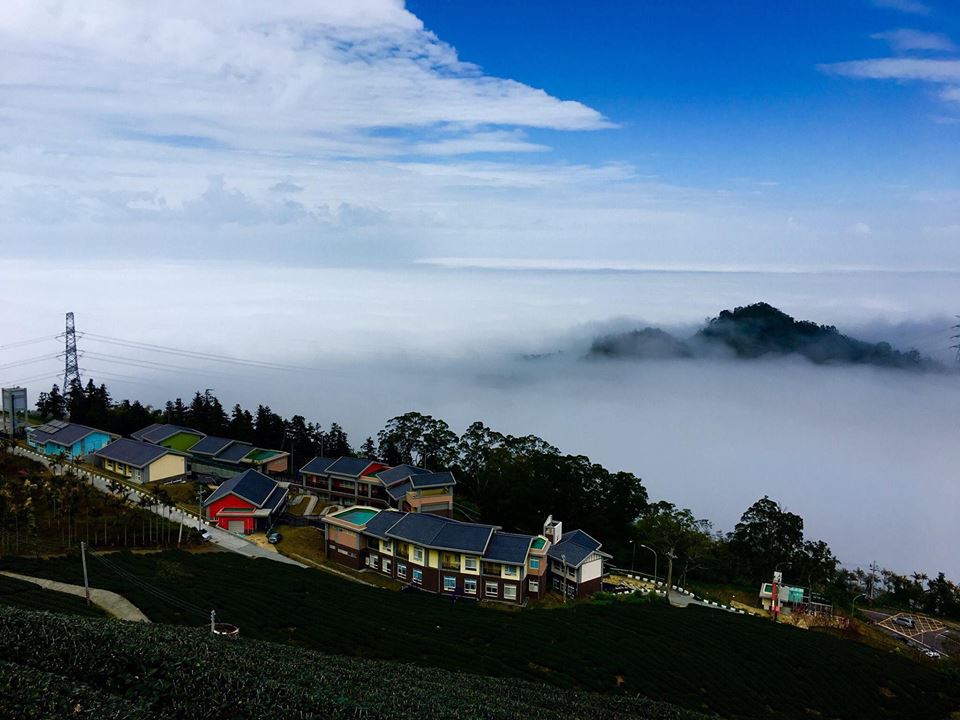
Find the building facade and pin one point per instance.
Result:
(358, 481)
(217, 457)
(141, 462)
(59, 437)
(454, 558)
(246, 503)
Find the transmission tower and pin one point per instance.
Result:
(71, 370)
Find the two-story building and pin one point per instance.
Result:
(576, 560)
(74, 441)
(360, 481)
(444, 556)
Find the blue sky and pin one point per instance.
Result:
(706, 93)
(658, 134)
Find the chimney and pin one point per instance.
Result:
(552, 529)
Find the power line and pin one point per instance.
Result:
(192, 353)
(147, 587)
(21, 343)
(28, 361)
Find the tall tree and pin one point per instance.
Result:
(766, 536)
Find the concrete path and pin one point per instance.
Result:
(226, 540)
(115, 604)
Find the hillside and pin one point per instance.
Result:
(57, 666)
(695, 658)
(755, 331)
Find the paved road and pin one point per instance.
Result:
(944, 640)
(226, 540)
(114, 603)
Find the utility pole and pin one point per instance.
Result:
(564, 558)
(873, 582)
(86, 582)
(71, 370)
(671, 557)
(213, 621)
(633, 556)
(656, 560)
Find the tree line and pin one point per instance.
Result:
(516, 481)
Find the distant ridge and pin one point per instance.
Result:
(756, 331)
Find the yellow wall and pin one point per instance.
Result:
(386, 547)
(413, 554)
(433, 558)
(463, 565)
(517, 572)
(167, 466)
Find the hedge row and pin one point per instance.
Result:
(168, 672)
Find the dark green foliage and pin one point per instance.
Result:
(651, 343)
(696, 658)
(27, 693)
(177, 673)
(27, 596)
(754, 331)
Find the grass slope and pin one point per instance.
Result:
(731, 665)
(19, 594)
(131, 670)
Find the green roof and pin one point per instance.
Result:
(258, 455)
(538, 543)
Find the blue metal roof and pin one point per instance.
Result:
(574, 547)
(399, 474)
(63, 433)
(399, 490)
(160, 433)
(132, 452)
(381, 522)
(211, 445)
(234, 452)
(350, 466)
(434, 479)
(508, 548)
(252, 486)
(441, 533)
(317, 466)
(138, 435)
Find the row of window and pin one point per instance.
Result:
(491, 589)
(469, 563)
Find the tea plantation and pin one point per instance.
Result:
(17, 593)
(708, 661)
(56, 666)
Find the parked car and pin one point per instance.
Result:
(205, 535)
(904, 621)
(273, 537)
(933, 654)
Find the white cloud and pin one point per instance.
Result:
(900, 68)
(951, 94)
(905, 40)
(911, 7)
(861, 228)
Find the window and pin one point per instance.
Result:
(418, 554)
(510, 592)
(402, 570)
(373, 561)
(556, 583)
(449, 583)
(510, 570)
(469, 563)
(533, 586)
(534, 563)
(470, 587)
(386, 545)
(417, 577)
(386, 566)
(491, 589)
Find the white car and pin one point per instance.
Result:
(933, 654)
(205, 535)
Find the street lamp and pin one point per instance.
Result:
(564, 558)
(853, 605)
(655, 562)
(633, 556)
